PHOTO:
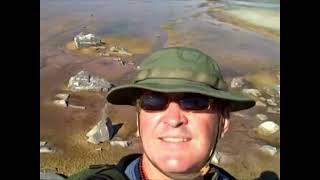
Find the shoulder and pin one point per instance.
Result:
(218, 173)
(105, 171)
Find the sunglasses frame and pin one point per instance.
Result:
(176, 99)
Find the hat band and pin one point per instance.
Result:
(160, 73)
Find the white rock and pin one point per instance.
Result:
(277, 89)
(63, 96)
(99, 149)
(259, 103)
(262, 99)
(268, 128)
(50, 176)
(62, 103)
(253, 92)
(262, 117)
(83, 81)
(273, 110)
(237, 82)
(215, 158)
(82, 40)
(271, 102)
(269, 150)
(123, 144)
(43, 143)
(45, 149)
(76, 107)
(101, 132)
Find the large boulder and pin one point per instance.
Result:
(86, 40)
(83, 81)
(101, 132)
(268, 128)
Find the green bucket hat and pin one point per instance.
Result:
(174, 70)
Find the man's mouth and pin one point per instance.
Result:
(174, 139)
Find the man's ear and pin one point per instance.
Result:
(225, 126)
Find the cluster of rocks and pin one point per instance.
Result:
(268, 98)
(84, 81)
(116, 51)
(91, 41)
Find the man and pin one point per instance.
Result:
(183, 106)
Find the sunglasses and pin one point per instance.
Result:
(187, 101)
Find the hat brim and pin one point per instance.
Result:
(125, 94)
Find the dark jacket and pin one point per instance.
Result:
(116, 172)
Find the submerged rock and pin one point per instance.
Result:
(268, 128)
(101, 132)
(273, 91)
(63, 96)
(99, 149)
(252, 92)
(269, 150)
(262, 99)
(273, 110)
(50, 176)
(43, 143)
(262, 117)
(259, 103)
(119, 51)
(45, 149)
(61, 103)
(238, 114)
(271, 102)
(121, 143)
(83, 81)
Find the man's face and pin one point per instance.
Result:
(178, 140)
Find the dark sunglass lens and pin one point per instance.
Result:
(153, 102)
(194, 103)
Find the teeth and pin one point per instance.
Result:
(175, 139)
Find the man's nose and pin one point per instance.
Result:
(174, 115)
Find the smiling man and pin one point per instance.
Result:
(183, 107)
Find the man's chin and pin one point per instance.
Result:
(175, 166)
